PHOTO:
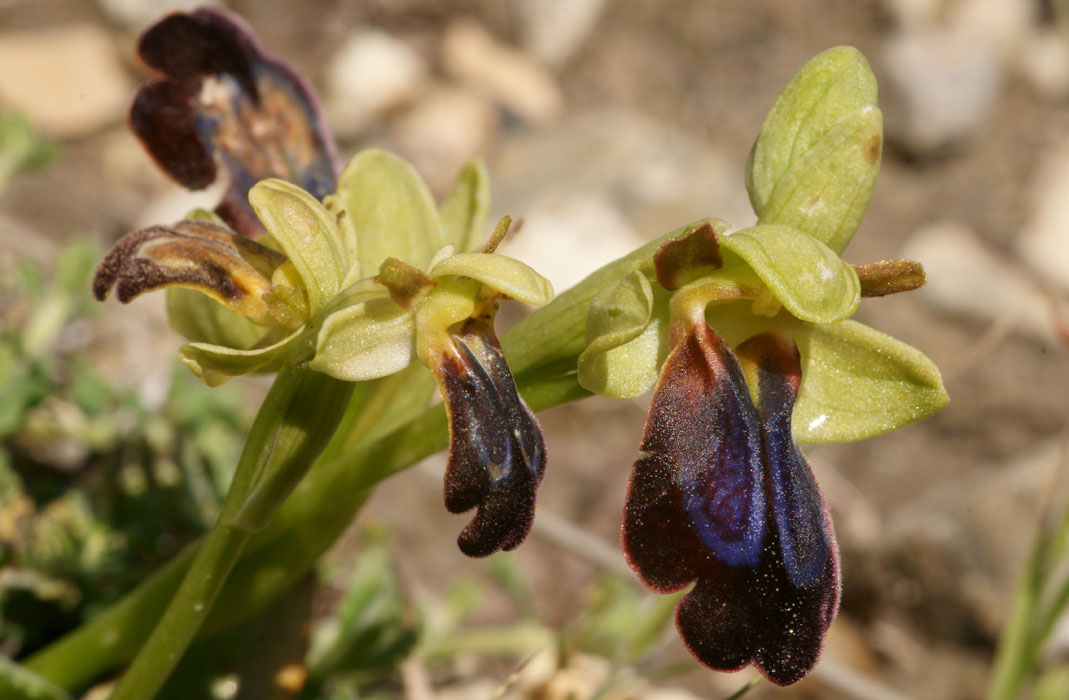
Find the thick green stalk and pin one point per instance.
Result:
(297, 419)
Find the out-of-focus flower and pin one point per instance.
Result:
(722, 495)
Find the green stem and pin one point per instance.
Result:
(294, 423)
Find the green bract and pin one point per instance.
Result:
(810, 177)
(329, 304)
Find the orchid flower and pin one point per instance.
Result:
(356, 283)
(759, 354)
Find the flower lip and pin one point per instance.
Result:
(497, 453)
(723, 496)
(223, 100)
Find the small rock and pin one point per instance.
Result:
(553, 30)
(566, 238)
(504, 74)
(136, 14)
(942, 87)
(68, 80)
(1044, 63)
(371, 74)
(175, 202)
(445, 130)
(967, 278)
(1044, 243)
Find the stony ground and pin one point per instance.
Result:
(607, 123)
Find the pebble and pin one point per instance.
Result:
(553, 30)
(1044, 243)
(137, 14)
(443, 131)
(370, 75)
(68, 80)
(968, 278)
(506, 75)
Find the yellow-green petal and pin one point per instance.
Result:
(625, 340)
(831, 85)
(464, 211)
(826, 191)
(202, 319)
(392, 210)
(806, 276)
(858, 382)
(215, 364)
(308, 234)
(365, 341)
(508, 276)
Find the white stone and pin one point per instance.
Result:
(443, 131)
(1044, 63)
(553, 30)
(68, 80)
(504, 74)
(371, 74)
(140, 13)
(1044, 243)
(966, 277)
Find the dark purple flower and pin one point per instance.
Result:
(724, 497)
(223, 102)
(496, 452)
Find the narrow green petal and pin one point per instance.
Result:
(464, 211)
(366, 341)
(831, 85)
(625, 340)
(215, 364)
(202, 319)
(308, 234)
(392, 210)
(858, 382)
(826, 191)
(508, 276)
(803, 274)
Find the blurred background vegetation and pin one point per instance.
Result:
(604, 123)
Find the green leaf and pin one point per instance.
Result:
(508, 276)
(392, 210)
(826, 191)
(803, 274)
(202, 319)
(464, 211)
(215, 364)
(858, 382)
(366, 341)
(830, 86)
(625, 340)
(308, 234)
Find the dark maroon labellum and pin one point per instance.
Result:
(496, 452)
(724, 497)
(224, 101)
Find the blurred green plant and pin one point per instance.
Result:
(1039, 603)
(22, 149)
(96, 489)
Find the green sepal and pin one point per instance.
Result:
(392, 210)
(626, 339)
(510, 277)
(803, 274)
(215, 364)
(202, 319)
(347, 231)
(308, 234)
(831, 85)
(858, 382)
(464, 211)
(826, 191)
(365, 341)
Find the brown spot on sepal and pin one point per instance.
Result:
(890, 277)
(224, 101)
(684, 259)
(496, 454)
(195, 254)
(874, 149)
